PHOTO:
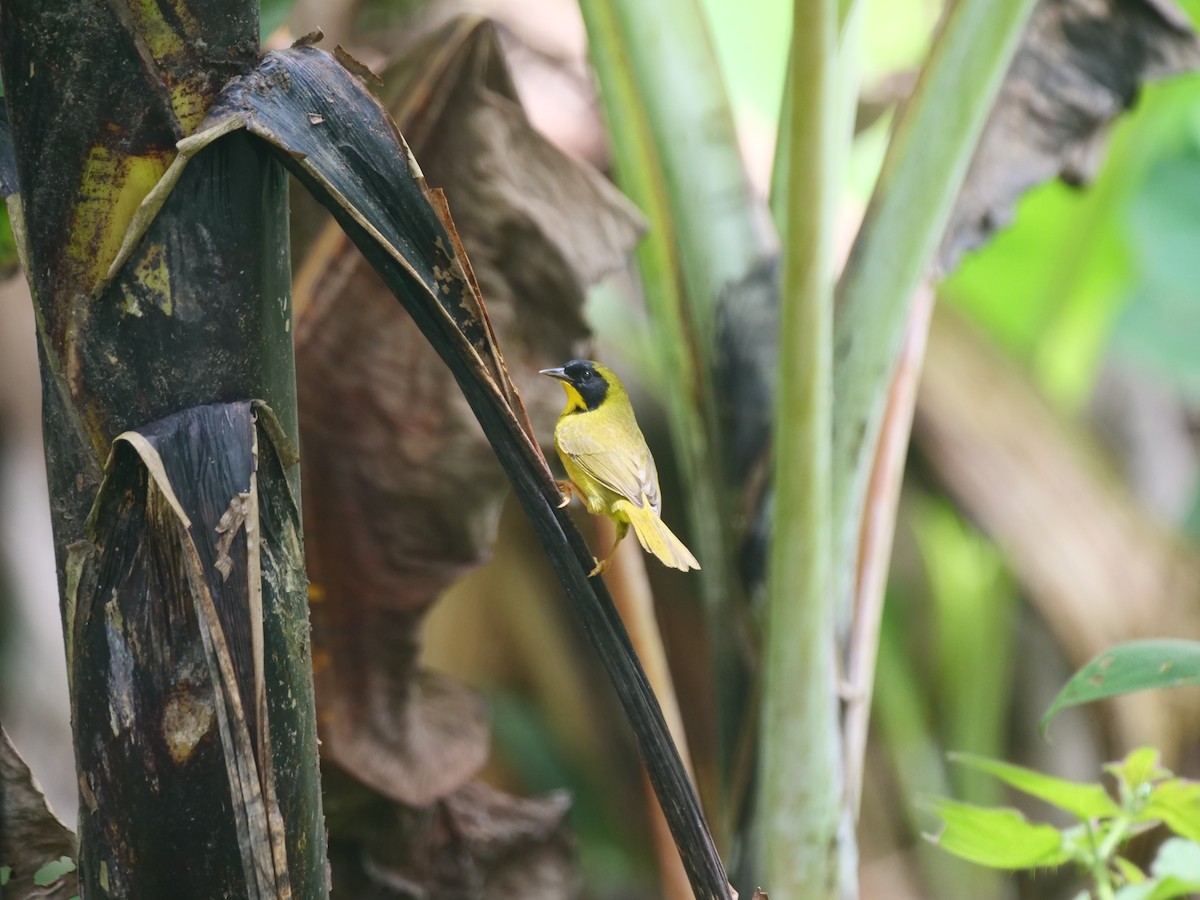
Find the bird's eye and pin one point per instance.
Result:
(585, 375)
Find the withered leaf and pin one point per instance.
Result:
(475, 842)
(409, 491)
(1080, 64)
(30, 835)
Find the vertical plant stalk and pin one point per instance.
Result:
(682, 97)
(642, 172)
(801, 758)
(927, 158)
(875, 546)
(676, 156)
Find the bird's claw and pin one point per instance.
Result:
(600, 568)
(566, 489)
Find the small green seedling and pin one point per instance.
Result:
(1145, 796)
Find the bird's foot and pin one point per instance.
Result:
(566, 489)
(603, 564)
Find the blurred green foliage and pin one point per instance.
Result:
(1080, 273)
(272, 14)
(1160, 322)
(8, 246)
(1134, 666)
(1146, 796)
(970, 620)
(610, 853)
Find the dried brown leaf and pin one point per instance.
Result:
(475, 842)
(1081, 64)
(30, 835)
(402, 490)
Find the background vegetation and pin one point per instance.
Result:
(1051, 505)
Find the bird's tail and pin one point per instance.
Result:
(655, 537)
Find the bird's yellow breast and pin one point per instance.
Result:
(594, 429)
(606, 456)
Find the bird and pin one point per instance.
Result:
(609, 466)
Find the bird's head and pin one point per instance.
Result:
(587, 383)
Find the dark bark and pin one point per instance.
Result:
(187, 635)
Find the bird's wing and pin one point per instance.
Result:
(626, 468)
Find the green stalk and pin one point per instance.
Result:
(1100, 862)
(801, 787)
(676, 156)
(686, 113)
(927, 158)
(847, 80)
(641, 172)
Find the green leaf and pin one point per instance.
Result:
(1176, 872)
(998, 838)
(1152, 330)
(8, 244)
(1178, 858)
(272, 14)
(1138, 768)
(1177, 804)
(667, 107)
(1130, 872)
(53, 870)
(1086, 801)
(931, 146)
(1136, 666)
(1154, 889)
(5, 875)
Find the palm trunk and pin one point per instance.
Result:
(174, 499)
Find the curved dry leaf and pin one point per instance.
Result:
(405, 491)
(1080, 64)
(475, 842)
(359, 167)
(30, 834)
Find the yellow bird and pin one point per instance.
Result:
(608, 463)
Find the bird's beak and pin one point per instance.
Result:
(560, 374)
